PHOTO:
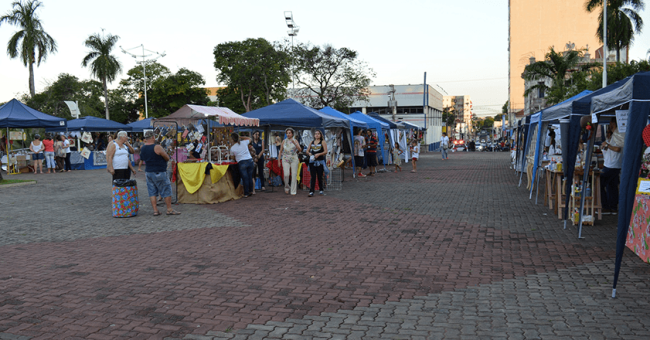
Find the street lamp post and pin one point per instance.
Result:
(144, 68)
(293, 31)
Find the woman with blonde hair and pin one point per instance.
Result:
(289, 156)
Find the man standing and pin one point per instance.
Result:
(609, 177)
(155, 159)
(371, 152)
(444, 143)
(359, 145)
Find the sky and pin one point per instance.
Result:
(462, 44)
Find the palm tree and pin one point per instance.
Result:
(623, 22)
(103, 65)
(31, 39)
(557, 67)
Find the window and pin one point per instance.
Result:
(540, 91)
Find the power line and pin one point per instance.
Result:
(468, 80)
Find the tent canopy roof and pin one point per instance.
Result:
(289, 112)
(372, 123)
(191, 113)
(636, 87)
(353, 122)
(15, 114)
(392, 125)
(92, 124)
(141, 125)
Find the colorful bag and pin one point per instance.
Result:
(125, 201)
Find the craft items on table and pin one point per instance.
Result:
(638, 234)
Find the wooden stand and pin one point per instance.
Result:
(593, 203)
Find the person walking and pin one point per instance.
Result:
(609, 176)
(36, 146)
(48, 143)
(444, 143)
(155, 159)
(316, 151)
(244, 161)
(415, 154)
(118, 163)
(289, 156)
(359, 145)
(258, 144)
(397, 152)
(371, 152)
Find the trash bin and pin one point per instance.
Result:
(125, 198)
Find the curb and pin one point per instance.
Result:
(17, 184)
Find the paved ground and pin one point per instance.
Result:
(455, 251)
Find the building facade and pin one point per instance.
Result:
(461, 106)
(417, 104)
(535, 26)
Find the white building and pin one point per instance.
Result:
(415, 104)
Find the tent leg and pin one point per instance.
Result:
(564, 224)
(537, 188)
(585, 177)
(613, 293)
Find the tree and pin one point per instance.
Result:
(623, 22)
(331, 77)
(103, 65)
(448, 116)
(32, 44)
(557, 67)
(230, 98)
(68, 88)
(254, 68)
(133, 86)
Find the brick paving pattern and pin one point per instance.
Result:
(455, 251)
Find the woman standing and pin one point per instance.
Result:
(118, 163)
(59, 151)
(48, 143)
(316, 152)
(66, 146)
(37, 148)
(244, 160)
(258, 144)
(289, 155)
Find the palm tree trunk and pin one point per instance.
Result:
(105, 96)
(32, 88)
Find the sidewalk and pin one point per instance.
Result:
(454, 251)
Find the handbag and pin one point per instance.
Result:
(60, 150)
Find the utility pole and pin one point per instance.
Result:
(604, 43)
(144, 68)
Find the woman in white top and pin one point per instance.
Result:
(289, 156)
(37, 148)
(118, 163)
(244, 160)
(415, 154)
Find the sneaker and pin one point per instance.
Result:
(361, 175)
(311, 194)
(607, 212)
(321, 193)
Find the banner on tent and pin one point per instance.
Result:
(621, 120)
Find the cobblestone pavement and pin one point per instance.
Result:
(455, 251)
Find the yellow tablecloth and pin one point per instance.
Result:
(217, 188)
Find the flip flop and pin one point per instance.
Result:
(157, 213)
(173, 212)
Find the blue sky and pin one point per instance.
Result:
(462, 45)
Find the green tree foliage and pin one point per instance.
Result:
(331, 77)
(615, 72)
(166, 92)
(449, 116)
(557, 67)
(68, 88)
(623, 22)
(103, 65)
(31, 43)
(256, 69)
(230, 98)
(504, 108)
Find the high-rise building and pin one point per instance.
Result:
(462, 107)
(535, 26)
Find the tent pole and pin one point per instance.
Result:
(537, 188)
(585, 177)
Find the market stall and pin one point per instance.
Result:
(205, 130)
(354, 123)
(16, 115)
(379, 127)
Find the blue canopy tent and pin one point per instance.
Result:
(525, 124)
(92, 124)
(392, 126)
(543, 118)
(408, 125)
(289, 112)
(634, 91)
(377, 126)
(141, 125)
(15, 114)
(353, 123)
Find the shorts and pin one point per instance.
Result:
(358, 162)
(371, 158)
(415, 159)
(158, 184)
(37, 156)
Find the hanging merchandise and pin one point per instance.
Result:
(87, 137)
(85, 153)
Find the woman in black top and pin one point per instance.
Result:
(316, 152)
(258, 144)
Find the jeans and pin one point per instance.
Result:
(290, 164)
(158, 184)
(260, 170)
(609, 179)
(49, 159)
(444, 153)
(68, 165)
(316, 172)
(246, 168)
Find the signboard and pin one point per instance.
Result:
(16, 135)
(621, 120)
